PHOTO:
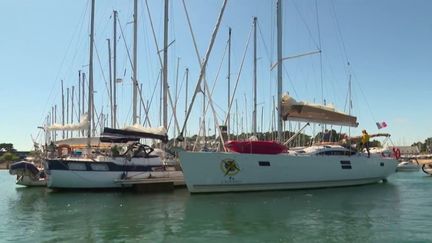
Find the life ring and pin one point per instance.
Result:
(397, 153)
(61, 150)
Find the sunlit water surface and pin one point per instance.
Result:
(396, 211)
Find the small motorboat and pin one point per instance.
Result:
(407, 166)
(256, 147)
(427, 168)
(28, 174)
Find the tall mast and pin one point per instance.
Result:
(229, 82)
(349, 103)
(165, 68)
(254, 113)
(135, 82)
(52, 122)
(79, 97)
(186, 104)
(55, 121)
(237, 125)
(176, 94)
(72, 107)
(203, 111)
(67, 110)
(161, 94)
(141, 105)
(279, 70)
(115, 72)
(83, 96)
(90, 94)
(110, 82)
(63, 115)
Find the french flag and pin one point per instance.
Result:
(381, 125)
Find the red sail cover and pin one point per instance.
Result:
(256, 147)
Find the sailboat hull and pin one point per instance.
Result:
(226, 172)
(84, 174)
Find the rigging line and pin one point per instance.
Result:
(339, 32)
(161, 63)
(264, 43)
(154, 91)
(239, 74)
(127, 49)
(176, 99)
(190, 29)
(101, 69)
(103, 30)
(146, 109)
(133, 69)
(181, 84)
(217, 78)
(174, 113)
(172, 33)
(290, 79)
(209, 103)
(203, 66)
(154, 34)
(364, 97)
(319, 42)
(64, 58)
(160, 59)
(317, 45)
(146, 43)
(77, 47)
(348, 69)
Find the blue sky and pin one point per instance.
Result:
(386, 42)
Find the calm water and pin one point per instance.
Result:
(396, 211)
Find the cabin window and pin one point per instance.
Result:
(336, 152)
(99, 167)
(77, 166)
(264, 163)
(346, 164)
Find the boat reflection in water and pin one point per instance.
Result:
(333, 214)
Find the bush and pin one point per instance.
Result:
(8, 157)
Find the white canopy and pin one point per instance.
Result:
(301, 111)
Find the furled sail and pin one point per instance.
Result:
(138, 131)
(83, 124)
(301, 111)
(154, 130)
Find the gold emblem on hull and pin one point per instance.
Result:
(229, 167)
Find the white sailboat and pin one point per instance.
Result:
(91, 162)
(105, 168)
(312, 167)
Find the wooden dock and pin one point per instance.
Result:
(154, 184)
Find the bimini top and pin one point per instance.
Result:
(23, 165)
(300, 111)
(137, 131)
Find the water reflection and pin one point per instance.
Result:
(328, 214)
(378, 212)
(39, 213)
